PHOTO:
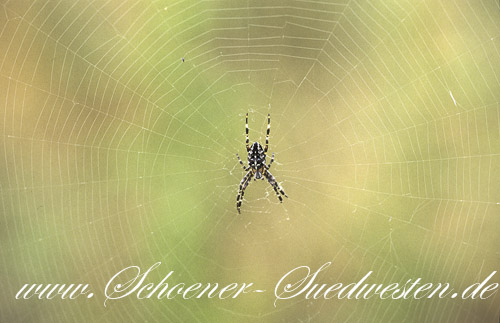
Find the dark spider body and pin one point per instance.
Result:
(257, 166)
(257, 159)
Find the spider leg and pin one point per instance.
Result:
(241, 162)
(267, 133)
(246, 130)
(274, 184)
(243, 185)
(271, 162)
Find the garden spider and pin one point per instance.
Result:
(257, 166)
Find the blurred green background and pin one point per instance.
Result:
(385, 123)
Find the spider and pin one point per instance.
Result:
(257, 166)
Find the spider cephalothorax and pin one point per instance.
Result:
(257, 166)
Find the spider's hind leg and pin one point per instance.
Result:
(243, 185)
(274, 184)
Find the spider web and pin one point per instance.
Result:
(121, 121)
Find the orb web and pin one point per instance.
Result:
(121, 122)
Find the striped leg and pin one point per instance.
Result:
(243, 185)
(271, 162)
(241, 162)
(276, 187)
(246, 129)
(267, 133)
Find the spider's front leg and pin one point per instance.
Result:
(274, 184)
(243, 185)
(267, 133)
(246, 130)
